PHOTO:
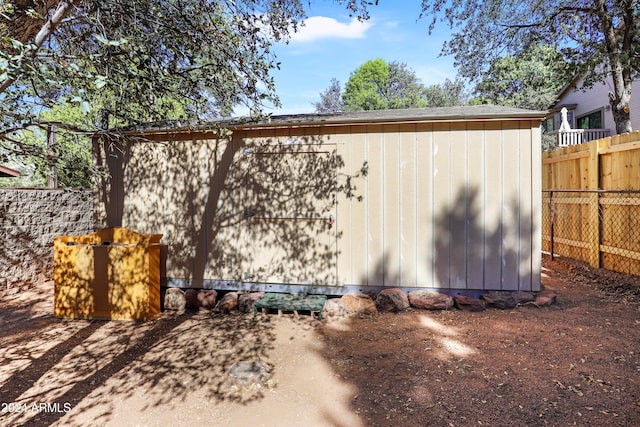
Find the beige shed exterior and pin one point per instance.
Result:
(445, 199)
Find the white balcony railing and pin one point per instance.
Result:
(578, 136)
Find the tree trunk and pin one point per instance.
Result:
(52, 176)
(621, 66)
(621, 116)
(619, 100)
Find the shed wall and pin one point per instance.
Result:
(452, 206)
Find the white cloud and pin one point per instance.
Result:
(322, 27)
(391, 25)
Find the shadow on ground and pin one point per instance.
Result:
(51, 366)
(573, 363)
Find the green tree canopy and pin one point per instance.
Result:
(404, 89)
(599, 38)
(141, 57)
(367, 87)
(378, 85)
(135, 61)
(529, 80)
(447, 94)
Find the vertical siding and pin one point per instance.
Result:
(492, 205)
(446, 205)
(477, 194)
(536, 207)
(357, 231)
(376, 264)
(391, 205)
(459, 205)
(408, 206)
(525, 203)
(510, 209)
(205, 188)
(336, 146)
(425, 215)
(441, 227)
(221, 210)
(344, 245)
(140, 191)
(179, 227)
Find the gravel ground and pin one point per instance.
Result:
(576, 362)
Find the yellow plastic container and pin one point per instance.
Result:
(113, 274)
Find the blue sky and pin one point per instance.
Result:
(332, 44)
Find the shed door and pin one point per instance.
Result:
(288, 225)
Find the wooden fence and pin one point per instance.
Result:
(599, 221)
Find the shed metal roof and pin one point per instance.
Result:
(411, 115)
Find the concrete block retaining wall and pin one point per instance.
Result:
(29, 219)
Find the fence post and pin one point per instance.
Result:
(52, 177)
(551, 219)
(594, 205)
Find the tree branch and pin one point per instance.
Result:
(560, 11)
(64, 7)
(42, 124)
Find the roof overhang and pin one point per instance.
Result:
(559, 107)
(6, 172)
(474, 113)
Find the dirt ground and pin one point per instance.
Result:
(574, 363)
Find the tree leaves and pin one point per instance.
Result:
(139, 56)
(367, 86)
(598, 38)
(330, 99)
(530, 80)
(378, 85)
(125, 62)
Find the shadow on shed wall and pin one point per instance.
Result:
(224, 211)
(470, 253)
(470, 256)
(227, 214)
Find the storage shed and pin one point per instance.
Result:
(443, 198)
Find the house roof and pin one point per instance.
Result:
(412, 115)
(6, 172)
(566, 88)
